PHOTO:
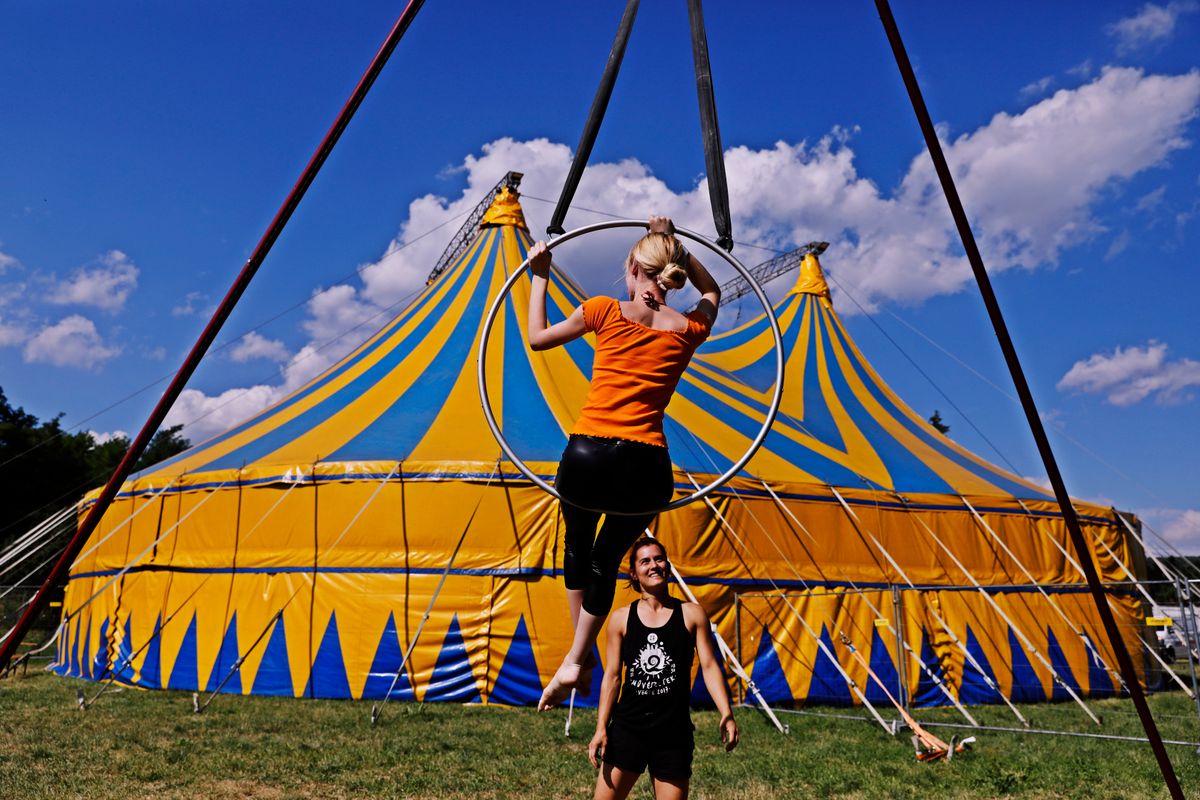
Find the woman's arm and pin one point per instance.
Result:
(610, 685)
(710, 291)
(540, 336)
(714, 681)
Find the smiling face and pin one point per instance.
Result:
(651, 568)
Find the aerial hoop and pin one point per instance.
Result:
(700, 493)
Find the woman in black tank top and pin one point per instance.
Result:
(652, 642)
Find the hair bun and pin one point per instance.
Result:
(672, 276)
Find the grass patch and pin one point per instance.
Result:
(134, 744)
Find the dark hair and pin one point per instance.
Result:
(638, 545)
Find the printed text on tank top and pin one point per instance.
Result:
(653, 672)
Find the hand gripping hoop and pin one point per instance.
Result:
(724, 477)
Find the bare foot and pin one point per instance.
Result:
(566, 679)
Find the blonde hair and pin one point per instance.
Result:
(662, 258)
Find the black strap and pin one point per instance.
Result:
(714, 161)
(718, 187)
(587, 139)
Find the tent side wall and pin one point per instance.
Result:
(351, 565)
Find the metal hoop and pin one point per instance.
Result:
(724, 477)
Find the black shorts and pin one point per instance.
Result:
(669, 758)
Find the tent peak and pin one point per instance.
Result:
(505, 210)
(812, 279)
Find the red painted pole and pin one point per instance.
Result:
(210, 331)
(1070, 519)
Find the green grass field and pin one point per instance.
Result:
(150, 744)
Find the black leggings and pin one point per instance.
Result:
(610, 475)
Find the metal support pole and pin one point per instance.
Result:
(898, 611)
(1186, 616)
(1070, 519)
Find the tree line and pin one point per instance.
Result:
(44, 468)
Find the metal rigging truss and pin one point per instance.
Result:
(460, 240)
(769, 270)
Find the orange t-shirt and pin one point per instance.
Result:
(634, 372)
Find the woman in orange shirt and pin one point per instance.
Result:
(616, 458)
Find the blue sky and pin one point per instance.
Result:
(146, 147)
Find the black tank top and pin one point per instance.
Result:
(658, 668)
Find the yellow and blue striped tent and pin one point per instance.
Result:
(296, 553)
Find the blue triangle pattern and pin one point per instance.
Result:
(452, 679)
(767, 673)
(227, 656)
(518, 682)
(928, 693)
(274, 676)
(974, 689)
(828, 686)
(100, 665)
(1058, 660)
(185, 672)
(150, 675)
(388, 655)
(884, 669)
(328, 675)
(1026, 687)
(1100, 683)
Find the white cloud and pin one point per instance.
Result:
(1119, 245)
(1153, 24)
(102, 438)
(1037, 88)
(70, 342)
(12, 333)
(7, 261)
(253, 346)
(106, 285)
(202, 416)
(1083, 70)
(1131, 374)
(190, 305)
(1178, 526)
(1151, 200)
(1031, 180)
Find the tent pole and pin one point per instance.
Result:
(938, 617)
(1052, 601)
(151, 426)
(1189, 635)
(853, 684)
(1023, 391)
(898, 631)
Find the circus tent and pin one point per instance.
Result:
(297, 553)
